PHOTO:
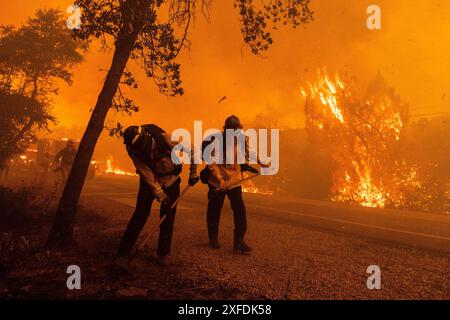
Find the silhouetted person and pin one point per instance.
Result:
(150, 149)
(224, 180)
(4, 170)
(64, 159)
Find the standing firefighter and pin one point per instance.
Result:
(224, 179)
(150, 149)
(4, 169)
(65, 158)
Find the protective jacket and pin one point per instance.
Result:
(154, 163)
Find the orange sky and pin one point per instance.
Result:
(411, 51)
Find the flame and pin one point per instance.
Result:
(250, 187)
(326, 90)
(362, 191)
(67, 139)
(361, 138)
(111, 170)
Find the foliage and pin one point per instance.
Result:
(161, 37)
(380, 158)
(255, 22)
(361, 133)
(33, 58)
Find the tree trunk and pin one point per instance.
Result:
(62, 231)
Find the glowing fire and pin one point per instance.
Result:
(250, 187)
(361, 137)
(364, 191)
(326, 90)
(111, 170)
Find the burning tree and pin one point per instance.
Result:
(362, 136)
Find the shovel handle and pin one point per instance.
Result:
(149, 235)
(180, 196)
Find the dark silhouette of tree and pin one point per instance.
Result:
(33, 58)
(151, 32)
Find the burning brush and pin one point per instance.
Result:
(362, 136)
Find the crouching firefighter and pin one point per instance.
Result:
(150, 148)
(225, 179)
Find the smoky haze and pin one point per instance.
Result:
(411, 51)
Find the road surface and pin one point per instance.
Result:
(303, 248)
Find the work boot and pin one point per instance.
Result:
(214, 243)
(241, 247)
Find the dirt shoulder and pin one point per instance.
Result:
(288, 262)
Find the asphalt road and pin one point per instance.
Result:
(416, 229)
(307, 249)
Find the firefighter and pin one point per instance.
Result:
(4, 170)
(150, 148)
(65, 158)
(224, 180)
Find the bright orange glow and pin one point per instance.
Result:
(111, 170)
(360, 138)
(326, 89)
(250, 187)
